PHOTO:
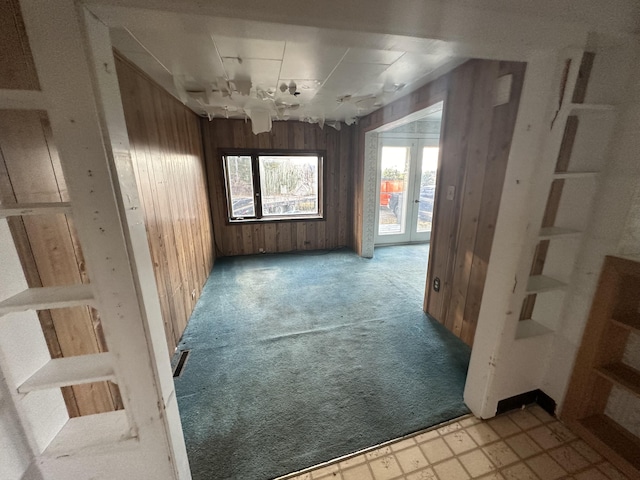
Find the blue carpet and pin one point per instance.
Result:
(297, 359)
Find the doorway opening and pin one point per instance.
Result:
(401, 164)
(407, 170)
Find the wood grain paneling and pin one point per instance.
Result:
(48, 248)
(475, 143)
(16, 62)
(168, 161)
(283, 236)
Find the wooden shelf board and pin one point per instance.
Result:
(574, 175)
(530, 328)
(44, 298)
(97, 431)
(542, 283)
(64, 372)
(19, 209)
(623, 376)
(617, 444)
(631, 323)
(549, 233)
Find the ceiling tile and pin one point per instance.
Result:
(261, 72)
(124, 42)
(410, 67)
(310, 61)
(365, 55)
(249, 47)
(348, 78)
(184, 54)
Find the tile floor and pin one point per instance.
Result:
(525, 444)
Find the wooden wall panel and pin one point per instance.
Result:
(18, 69)
(475, 143)
(168, 160)
(48, 248)
(284, 236)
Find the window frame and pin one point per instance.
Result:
(257, 193)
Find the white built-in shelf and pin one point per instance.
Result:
(44, 298)
(549, 233)
(542, 283)
(22, 100)
(92, 432)
(574, 175)
(530, 328)
(64, 372)
(586, 108)
(19, 209)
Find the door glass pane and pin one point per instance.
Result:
(427, 188)
(289, 185)
(240, 186)
(393, 190)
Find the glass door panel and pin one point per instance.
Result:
(427, 189)
(394, 174)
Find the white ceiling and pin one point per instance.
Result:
(226, 67)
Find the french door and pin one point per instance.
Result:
(406, 190)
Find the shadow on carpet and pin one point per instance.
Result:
(296, 360)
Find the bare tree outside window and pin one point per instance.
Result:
(273, 186)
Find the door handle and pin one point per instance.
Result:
(416, 201)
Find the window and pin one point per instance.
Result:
(273, 185)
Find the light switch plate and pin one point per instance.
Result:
(451, 192)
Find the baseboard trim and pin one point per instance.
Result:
(547, 403)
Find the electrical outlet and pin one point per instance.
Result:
(436, 284)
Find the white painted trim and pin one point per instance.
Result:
(370, 190)
(20, 209)
(74, 61)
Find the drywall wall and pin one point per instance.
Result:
(168, 161)
(282, 236)
(475, 141)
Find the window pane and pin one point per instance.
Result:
(427, 187)
(289, 185)
(240, 182)
(394, 167)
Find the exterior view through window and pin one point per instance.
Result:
(273, 186)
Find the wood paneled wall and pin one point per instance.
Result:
(166, 151)
(47, 245)
(475, 144)
(283, 236)
(167, 142)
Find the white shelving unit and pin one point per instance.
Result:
(63, 372)
(579, 140)
(550, 233)
(73, 58)
(45, 298)
(542, 283)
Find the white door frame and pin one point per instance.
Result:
(408, 195)
(417, 144)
